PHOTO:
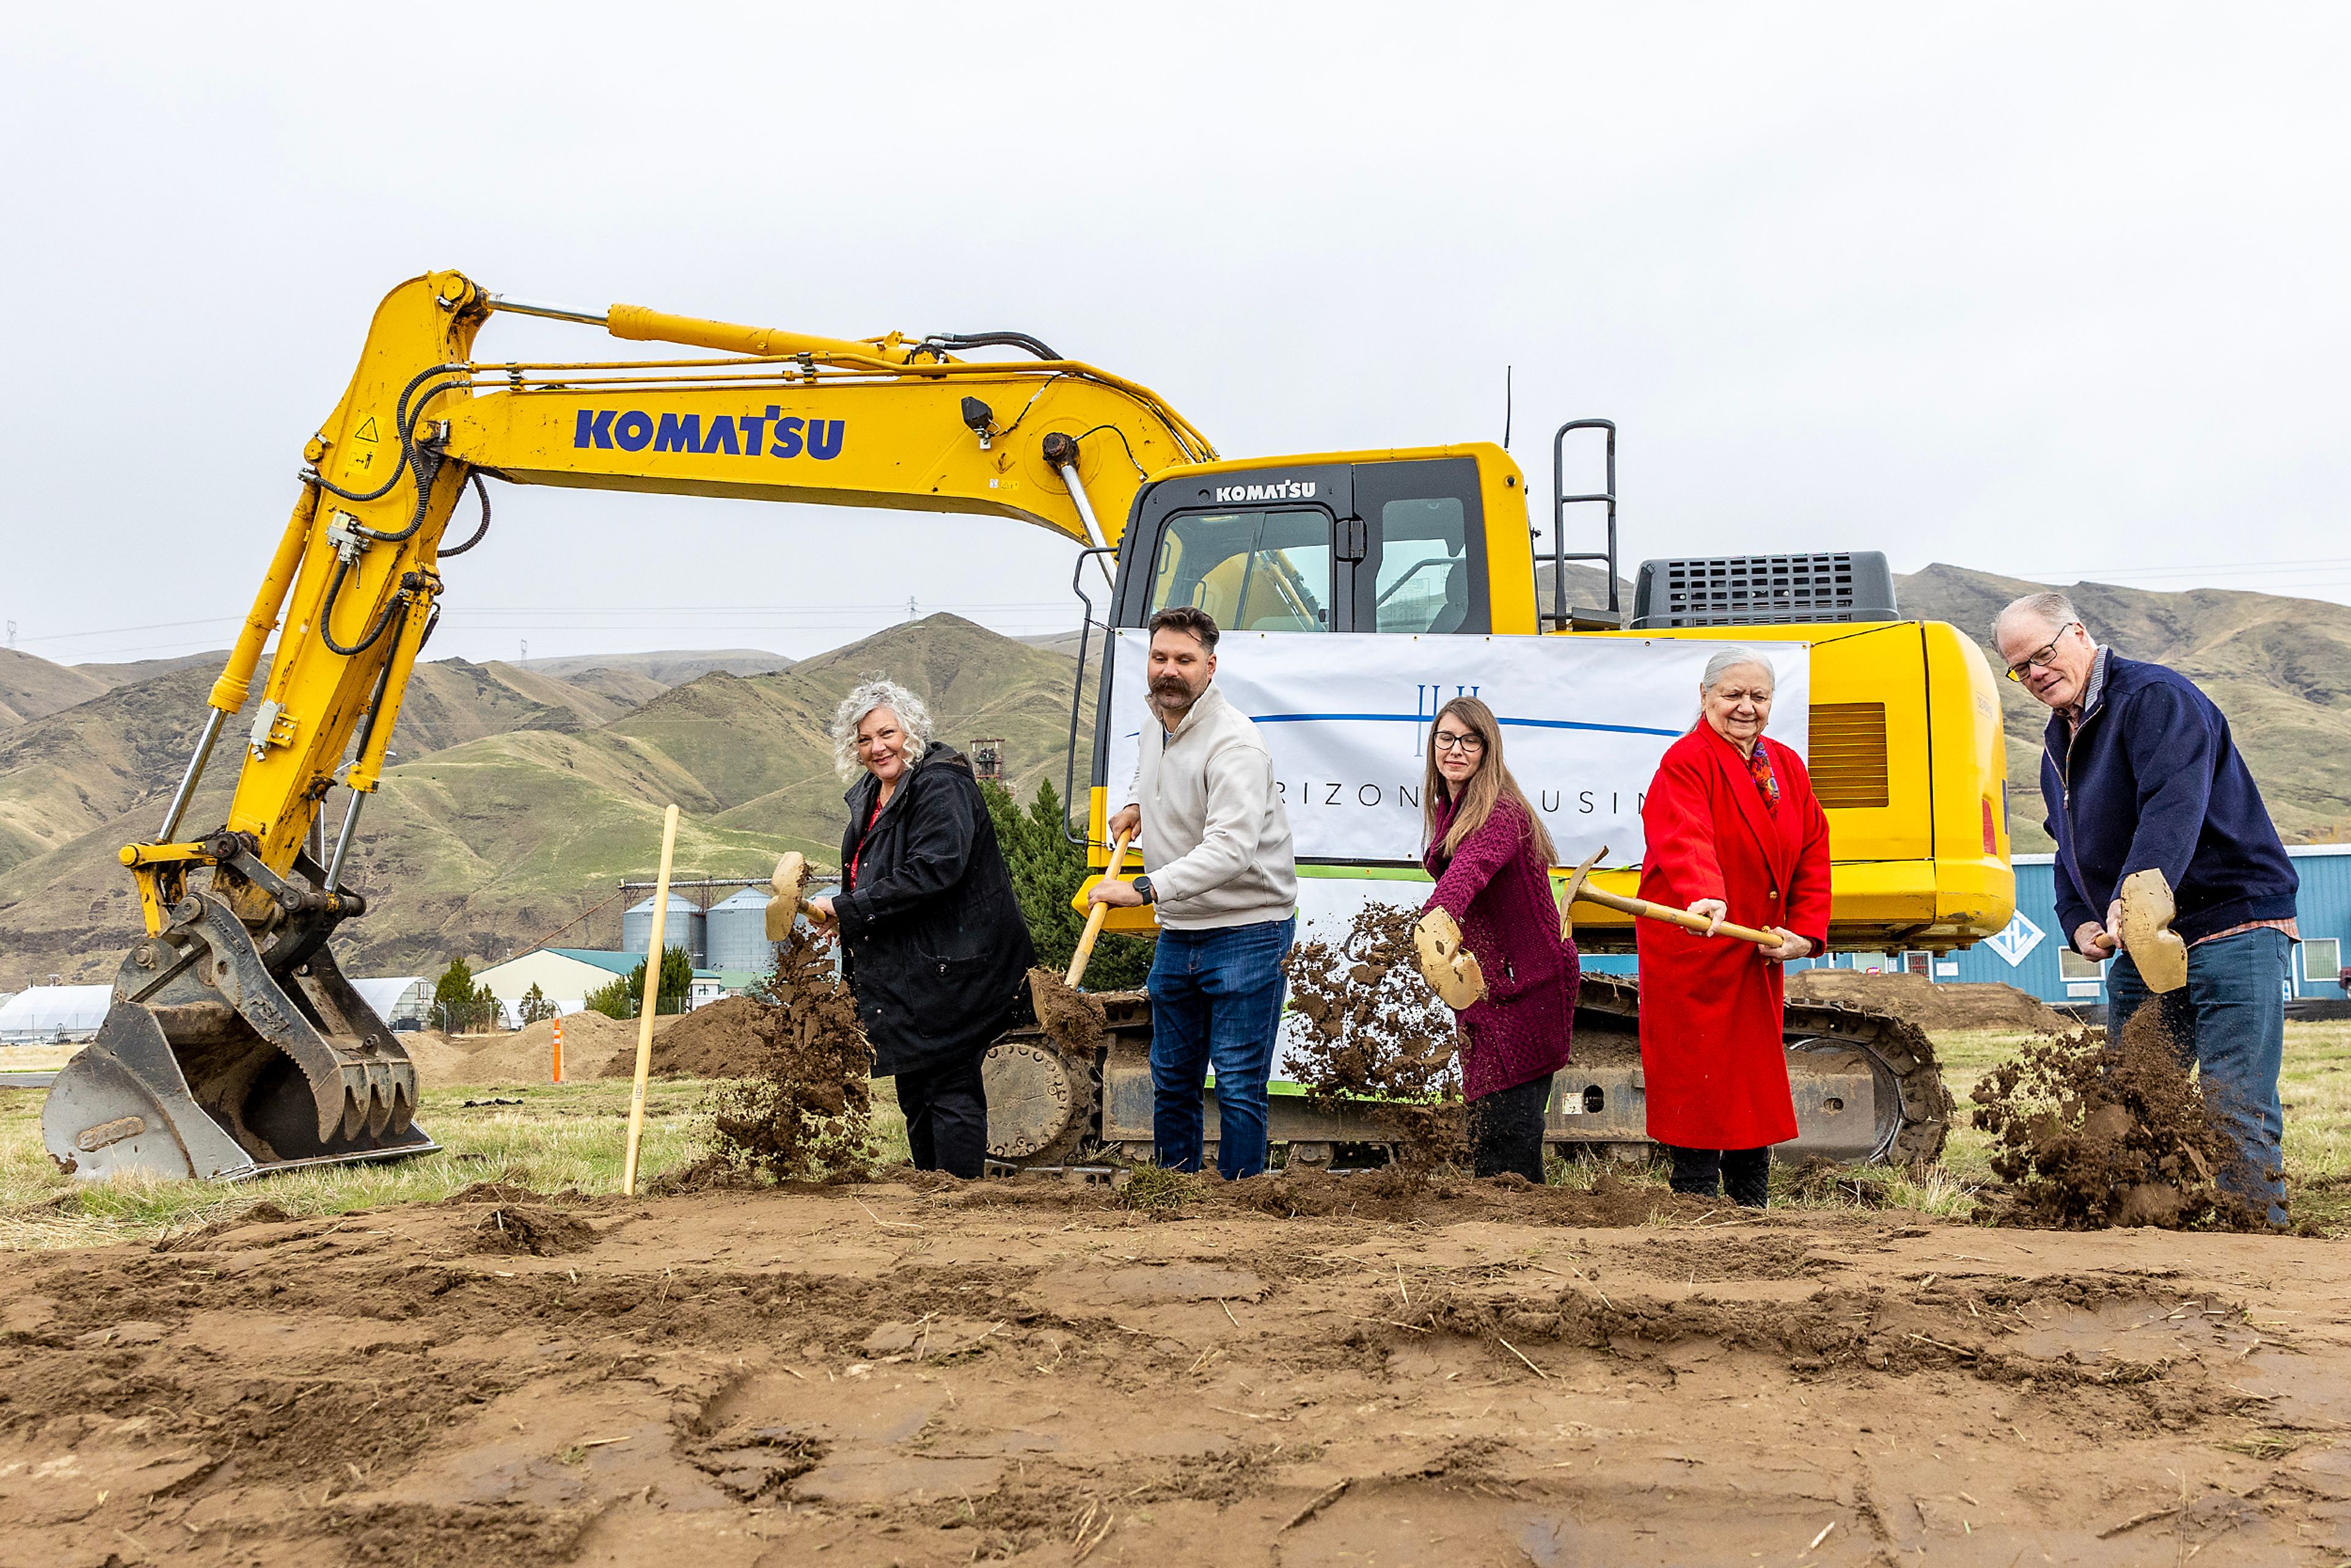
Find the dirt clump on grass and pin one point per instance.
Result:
(1373, 1030)
(798, 1104)
(2093, 1131)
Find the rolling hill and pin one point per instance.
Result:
(519, 801)
(2280, 668)
(522, 795)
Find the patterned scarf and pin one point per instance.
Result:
(1767, 783)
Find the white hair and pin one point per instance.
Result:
(2053, 609)
(1729, 659)
(878, 692)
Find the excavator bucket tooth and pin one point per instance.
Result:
(214, 1071)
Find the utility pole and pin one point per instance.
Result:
(12, 635)
(526, 651)
(910, 607)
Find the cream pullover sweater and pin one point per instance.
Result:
(1216, 840)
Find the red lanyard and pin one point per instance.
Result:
(861, 841)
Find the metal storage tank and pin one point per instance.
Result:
(687, 928)
(738, 932)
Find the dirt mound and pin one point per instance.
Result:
(438, 1063)
(799, 1100)
(1375, 1031)
(531, 1230)
(2095, 1133)
(592, 1043)
(1921, 1001)
(724, 1039)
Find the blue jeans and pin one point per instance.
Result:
(1215, 1003)
(2229, 1021)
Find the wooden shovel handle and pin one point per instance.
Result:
(1681, 917)
(1094, 920)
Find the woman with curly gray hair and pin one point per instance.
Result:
(932, 938)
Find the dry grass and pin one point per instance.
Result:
(570, 1136)
(548, 1138)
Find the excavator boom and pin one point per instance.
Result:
(234, 1045)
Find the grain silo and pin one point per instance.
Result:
(738, 932)
(687, 928)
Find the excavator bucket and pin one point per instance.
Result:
(208, 1066)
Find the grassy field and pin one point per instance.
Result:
(571, 1136)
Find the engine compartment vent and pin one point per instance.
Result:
(1764, 590)
(1846, 753)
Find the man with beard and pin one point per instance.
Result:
(1216, 861)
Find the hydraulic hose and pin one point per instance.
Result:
(483, 492)
(327, 617)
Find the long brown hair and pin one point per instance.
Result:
(1490, 783)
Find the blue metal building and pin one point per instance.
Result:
(2032, 955)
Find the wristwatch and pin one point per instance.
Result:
(1142, 885)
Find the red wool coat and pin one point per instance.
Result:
(1498, 890)
(1710, 1008)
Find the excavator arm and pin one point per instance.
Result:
(234, 1045)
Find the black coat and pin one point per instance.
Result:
(932, 936)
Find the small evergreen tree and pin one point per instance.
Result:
(460, 1006)
(1047, 871)
(535, 1005)
(624, 997)
(613, 999)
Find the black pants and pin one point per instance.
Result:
(1506, 1129)
(1742, 1175)
(946, 1117)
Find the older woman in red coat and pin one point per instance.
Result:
(1491, 860)
(1734, 833)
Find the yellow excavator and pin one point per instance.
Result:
(234, 1046)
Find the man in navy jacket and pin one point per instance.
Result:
(2138, 770)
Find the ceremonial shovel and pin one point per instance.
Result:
(1576, 889)
(2147, 935)
(786, 905)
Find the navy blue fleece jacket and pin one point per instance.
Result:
(2152, 779)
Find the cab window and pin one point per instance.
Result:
(1424, 577)
(1251, 571)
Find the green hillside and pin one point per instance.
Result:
(521, 796)
(2280, 668)
(519, 799)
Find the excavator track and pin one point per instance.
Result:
(1867, 1085)
(1912, 1108)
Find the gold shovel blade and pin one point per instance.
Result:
(2148, 937)
(1450, 968)
(784, 908)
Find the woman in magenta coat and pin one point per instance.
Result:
(1491, 859)
(1734, 833)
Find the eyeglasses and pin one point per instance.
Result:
(2038, 660)
(1465, 743)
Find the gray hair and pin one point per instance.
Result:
(878, 692)
(2051, 608)
(1729, 659)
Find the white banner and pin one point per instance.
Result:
(1584, 721)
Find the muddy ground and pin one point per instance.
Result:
(1300, 1371)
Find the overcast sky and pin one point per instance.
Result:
(2052, 291)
